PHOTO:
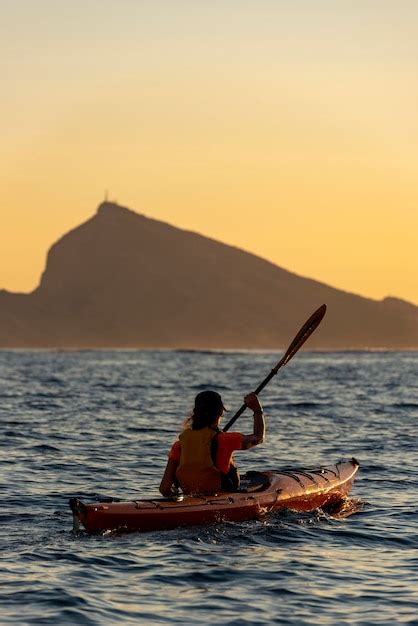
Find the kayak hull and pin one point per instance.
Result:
(294, 489)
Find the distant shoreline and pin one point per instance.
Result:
(213, 350)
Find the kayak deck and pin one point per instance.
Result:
(261, 492)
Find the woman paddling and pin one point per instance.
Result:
(201, 460)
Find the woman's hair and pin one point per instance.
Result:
(208, 406)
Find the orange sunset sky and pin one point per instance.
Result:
(287, 128)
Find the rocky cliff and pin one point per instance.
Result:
(124, 280)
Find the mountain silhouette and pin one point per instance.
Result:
(124, 280)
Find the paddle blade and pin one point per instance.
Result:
(305, 332)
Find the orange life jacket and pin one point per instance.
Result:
(196, 471)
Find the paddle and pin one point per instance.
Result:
(306, 331)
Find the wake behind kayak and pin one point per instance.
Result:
(260, 493)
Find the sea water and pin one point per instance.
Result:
(97, 423)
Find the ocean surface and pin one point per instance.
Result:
(101, 422)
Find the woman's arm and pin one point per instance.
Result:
(169, 478)
(249, 441)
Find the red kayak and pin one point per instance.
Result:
(259, 494)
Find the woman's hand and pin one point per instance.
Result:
(253, 403)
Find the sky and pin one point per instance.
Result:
(288, 129)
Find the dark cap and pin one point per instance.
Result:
(210, 400)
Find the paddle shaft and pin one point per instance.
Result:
(306, 331)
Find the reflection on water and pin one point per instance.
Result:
(80, 424)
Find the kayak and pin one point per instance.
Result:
(259, 494)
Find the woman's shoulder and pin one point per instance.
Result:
(230, 438)
(175, 451)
